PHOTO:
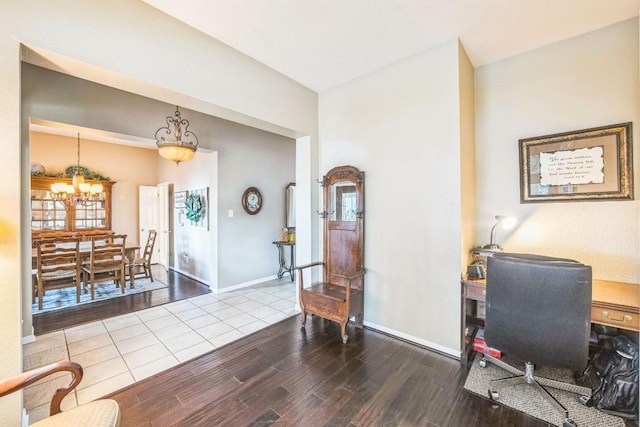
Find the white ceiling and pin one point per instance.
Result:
(324, 43)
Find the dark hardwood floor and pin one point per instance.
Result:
(292, 377)
(180, 287)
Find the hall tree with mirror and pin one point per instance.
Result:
(339, 295)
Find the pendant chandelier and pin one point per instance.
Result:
(175, 148)
(78, 192)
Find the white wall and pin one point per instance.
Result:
(401, 125)
(195, 250)
(588, 81)
(129, 45)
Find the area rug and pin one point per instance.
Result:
(525, 399)
(58, 299)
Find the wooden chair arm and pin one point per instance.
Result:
(350, 278)
(313, 264)
(301, 276)
(21, 381)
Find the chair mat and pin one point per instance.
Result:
(525, 398)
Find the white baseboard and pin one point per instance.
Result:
(243, 285)
(228, 288)
(191, 276)
(28, 339)
(424, 343)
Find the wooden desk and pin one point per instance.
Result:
(614, 304)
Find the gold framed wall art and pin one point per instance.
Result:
(589, 164)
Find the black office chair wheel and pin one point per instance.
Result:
(586, 400)
(569, 423)
(493, 394)
(483, 363)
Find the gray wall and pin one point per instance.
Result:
(268, 165)
(246, 157)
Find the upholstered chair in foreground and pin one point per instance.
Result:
(99, 413)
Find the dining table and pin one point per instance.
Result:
(85, 252)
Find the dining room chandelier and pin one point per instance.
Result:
(78, 192)
(175, 141)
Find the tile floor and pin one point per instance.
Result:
(119, 351)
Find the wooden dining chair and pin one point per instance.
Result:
(140, 267)
(46, 241)
(106, 262)
(57, 266)
(34, 265)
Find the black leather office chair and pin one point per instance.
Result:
(538, 309)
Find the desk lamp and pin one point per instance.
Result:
(477, 269)
(508, 222)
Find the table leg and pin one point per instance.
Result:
(130, 256)
(292, 266)
(281, 270)
(284, 268)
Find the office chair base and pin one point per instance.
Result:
(527, 376)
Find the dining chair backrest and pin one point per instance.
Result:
(55, 235)
(102, 237)
(50, 242)
(97, 234)
(58, 265)
(140, 266)
(106, 262)
(148, 248)
(107, 249)
(58, 255)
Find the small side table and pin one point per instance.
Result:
(283, 265)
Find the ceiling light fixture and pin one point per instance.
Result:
(176, 149)
(78, 192)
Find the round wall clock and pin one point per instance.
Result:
(252, 200)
